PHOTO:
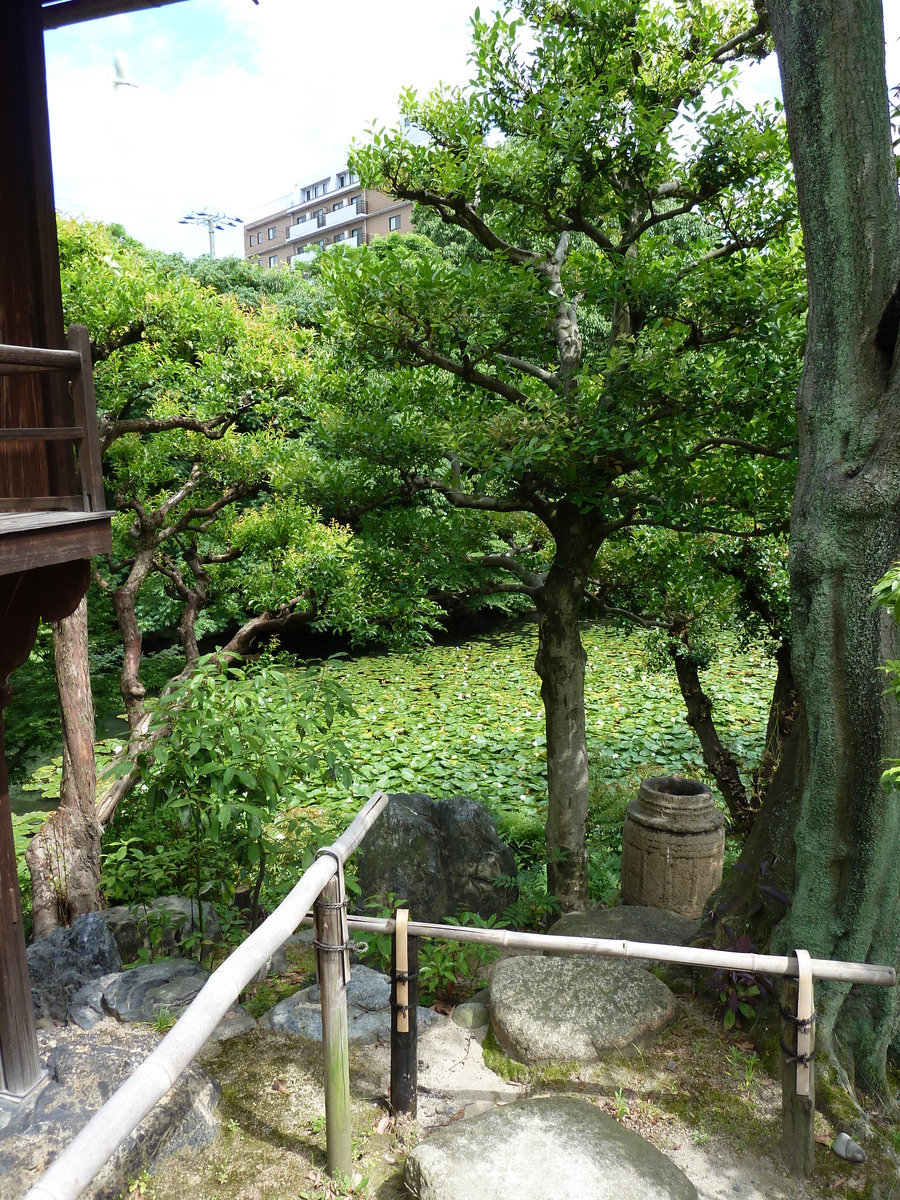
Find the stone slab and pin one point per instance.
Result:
(629, 923)
(551, 1147)
(574, 1008)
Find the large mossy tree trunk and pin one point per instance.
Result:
(560, 664)
(64, 856)
(830, 815)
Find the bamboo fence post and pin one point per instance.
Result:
(404, 1016)
(333, 965)
(798, 1077)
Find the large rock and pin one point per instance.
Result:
(161, 926)
(441, 856)
(368, 1010)
(572, 1009)
(149, 992)
(61, 963)
(556, 1146)
(629, 923)
(145, 991)
(83, 1070)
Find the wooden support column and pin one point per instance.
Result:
(333, 966)
(798, 1076)
(49, 593)
(404, 1023)
(20, 1064)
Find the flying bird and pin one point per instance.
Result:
(122, 79)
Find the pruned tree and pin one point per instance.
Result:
(614, 351)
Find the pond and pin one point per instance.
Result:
(466, 718)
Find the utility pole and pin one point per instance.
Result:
(212, 221)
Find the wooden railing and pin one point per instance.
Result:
(83, 434)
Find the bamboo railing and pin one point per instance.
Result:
(322, 885)
(798, 1017)
(96, 1143)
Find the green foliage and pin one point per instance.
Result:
(31, 721)
(239, 743)
(163, 1020)
(453, 971)
(467, 720)
(25, 826)
(886, 594)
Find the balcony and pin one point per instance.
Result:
(307, 254)
(354, 240)
(328, 220)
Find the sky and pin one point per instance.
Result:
(236, 103)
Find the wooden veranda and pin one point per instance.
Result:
(52, 510)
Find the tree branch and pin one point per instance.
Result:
(741, 444)
(214, 428)
(464, 371)
(550, 378)
(608, 610)
(531, 582)
(101, 351)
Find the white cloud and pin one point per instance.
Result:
(234, 104)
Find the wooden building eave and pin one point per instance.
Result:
(57, 13)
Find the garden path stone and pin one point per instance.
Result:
(368, 1010)
(557, 1146)
(630, 923)
(573, 1008)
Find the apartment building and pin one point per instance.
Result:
(331, 211)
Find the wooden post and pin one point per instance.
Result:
(333, 965)
(798, 1077)
(20, 1064)
(404, 1023)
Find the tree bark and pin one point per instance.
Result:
(782, 714)
(133, 691)
(64, 856)
(845, 523)
(560, 664)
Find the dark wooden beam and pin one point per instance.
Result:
(69, 12)
(41, 539)
(20, 1064)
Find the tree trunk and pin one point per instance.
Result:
(782, 714)
(133, 691)
(560, 663)
(845, 523)
(720, 762)
(64, 856)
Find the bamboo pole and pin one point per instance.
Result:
(334, 975)
(798, 1078)
(690, 956)
(90, 1149)
(404, 1014)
